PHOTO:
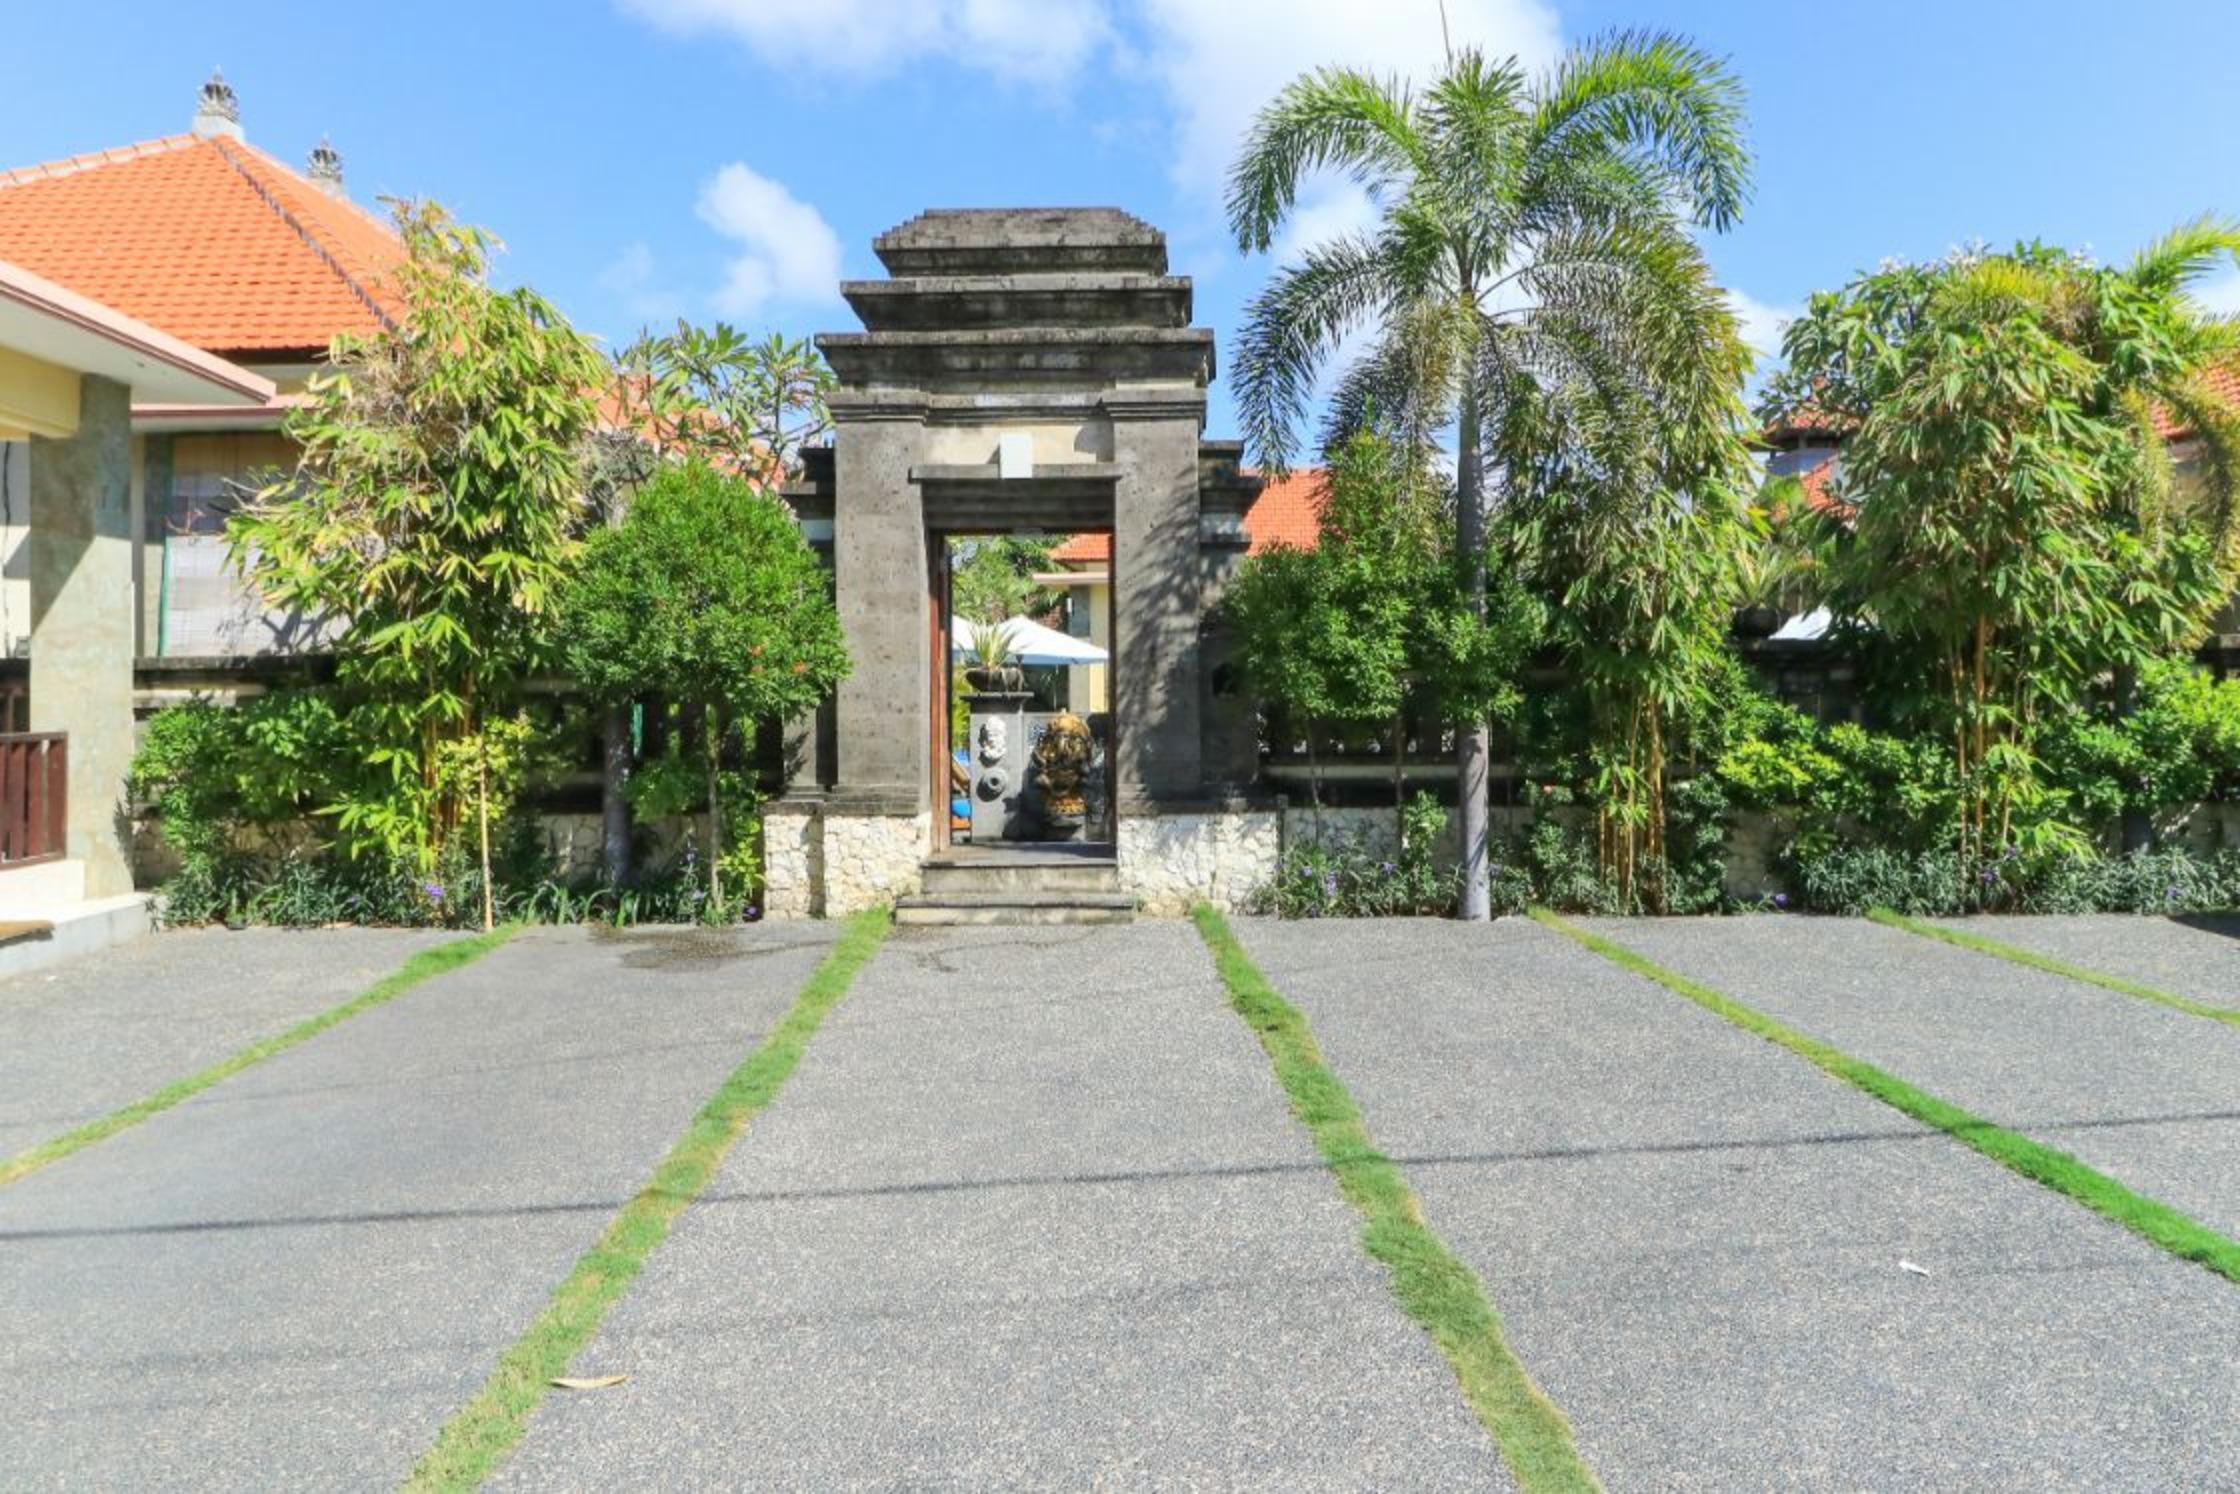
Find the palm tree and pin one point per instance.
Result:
(1532, 278)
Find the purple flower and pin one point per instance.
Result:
(1781, 900)
(2175, 894)
(434, 890)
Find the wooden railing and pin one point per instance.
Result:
(34, 796)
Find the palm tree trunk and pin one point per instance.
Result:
(1470, 737)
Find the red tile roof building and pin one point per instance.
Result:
(207, 238)
(1287, 512)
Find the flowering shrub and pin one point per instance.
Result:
(1350, 881)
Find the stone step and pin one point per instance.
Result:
(43, 936)
(1014, 907)
(1000, 875)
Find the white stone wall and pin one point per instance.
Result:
(793, 865)
(1370, 828)
(576, 841)
(872, 859)
(1172, 861)
(2209, 828)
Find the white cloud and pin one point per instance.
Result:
(1215, 62)
(1028, 41)
(1331, 210)
(1762, 326)
(631, 279)
(1220, 62)
(2221, 296)
(788, 251)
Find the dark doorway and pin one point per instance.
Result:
(1055, 590)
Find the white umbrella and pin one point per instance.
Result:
(1031, 642)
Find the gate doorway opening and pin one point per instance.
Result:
(1022, 640)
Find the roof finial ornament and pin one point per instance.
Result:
(325, 168)
(219, 112)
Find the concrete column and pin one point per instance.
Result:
(806, 739)
(880, 578)
(82, 621)
(1158, 597)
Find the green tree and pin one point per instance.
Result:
(708, 596)
(1374, 624)
(1641, 586)
(711, 393)
(429, 519)
(1531, 267)
(992, 577)
(2019, 528)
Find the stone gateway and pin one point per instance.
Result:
(1023, 370)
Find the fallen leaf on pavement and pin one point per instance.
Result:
(594, 1382)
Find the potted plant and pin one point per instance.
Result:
(992, 671)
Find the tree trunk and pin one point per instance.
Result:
(711, 733)
(2137, 832)
(614, 799)
(1474, 813)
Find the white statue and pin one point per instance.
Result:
(995, 739)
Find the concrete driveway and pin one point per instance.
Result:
(1032, 1212)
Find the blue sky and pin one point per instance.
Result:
(650, 158)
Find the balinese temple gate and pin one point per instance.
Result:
(1023, 370)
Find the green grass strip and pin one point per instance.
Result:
(2052, 966)
(421, 967)
(1432, 1285)
(482, 1433)
(2155, 1222)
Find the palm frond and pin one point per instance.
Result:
(1404, 387)
(1336, 118)
(1659, 99)
(2186, 253)
(1291, 328)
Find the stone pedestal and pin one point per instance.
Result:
(998, 746)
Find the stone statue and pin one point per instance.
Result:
(1061, 763)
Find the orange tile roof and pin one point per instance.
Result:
(1804, 423)
(1820, 495)
(1084, 549)
(1287, 512)
(2222, 381)
(208, 239)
